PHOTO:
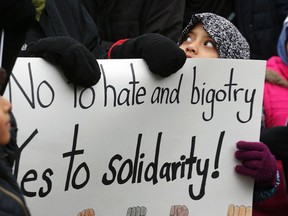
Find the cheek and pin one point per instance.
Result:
(183, 46)
(5, 137)
(208, 53)
(4, 133)
(214, 55)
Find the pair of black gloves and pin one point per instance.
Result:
(80, 66)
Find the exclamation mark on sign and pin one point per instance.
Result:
(215, 174)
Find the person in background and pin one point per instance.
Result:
(13, 30)
(275, 116)
(276, 85)
(12, 200)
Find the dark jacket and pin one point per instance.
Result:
(97, 24)
(276, 138)
(222, 8)
(66, 18)
(128, 19)
(14, 31)
(15, 27)
(11, 198)
(261, 21)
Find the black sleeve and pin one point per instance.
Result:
(16, 17)
(164, 17)
(276, 139)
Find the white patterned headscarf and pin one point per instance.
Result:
(230, 43)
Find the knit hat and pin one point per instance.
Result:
(230, 43)
(283, 38)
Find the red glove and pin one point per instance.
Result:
(257, 162)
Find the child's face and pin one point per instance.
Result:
(5, 107)
(199, 44)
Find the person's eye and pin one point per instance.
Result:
(210, 44)
(188, 39)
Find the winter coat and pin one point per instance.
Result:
(276, 97)
(66, 18)
(128, 19)
(260, 21)
(14, 31)
(276, 109)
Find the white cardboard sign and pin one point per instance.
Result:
(135, 139)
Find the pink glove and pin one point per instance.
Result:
(257, 162)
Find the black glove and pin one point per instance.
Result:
(161, 54)
(77, 63)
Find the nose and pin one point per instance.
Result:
(192, 47)
(8, 106)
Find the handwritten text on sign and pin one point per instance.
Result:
(135, 137)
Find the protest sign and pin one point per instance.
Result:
(135, 139)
